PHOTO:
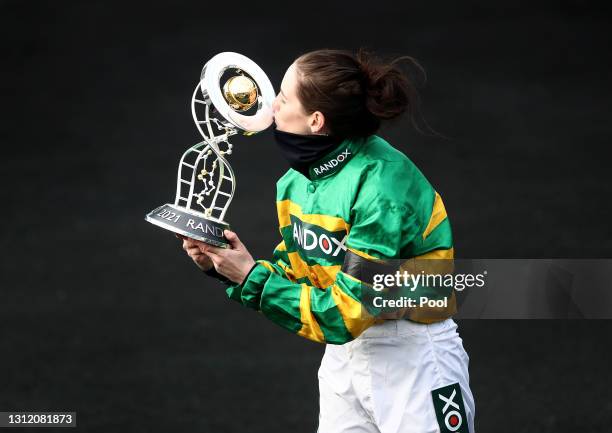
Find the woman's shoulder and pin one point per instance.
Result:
(377, 148)
(389, 167)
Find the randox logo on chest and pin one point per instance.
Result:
(332, 163)
(317, 241)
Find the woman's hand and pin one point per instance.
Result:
(192, 248)
(234, 263)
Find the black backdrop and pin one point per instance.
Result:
(103, 314)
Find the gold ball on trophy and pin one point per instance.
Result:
(240, 92)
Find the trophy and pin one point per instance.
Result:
(234, 96)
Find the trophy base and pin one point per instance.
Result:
(188, 223)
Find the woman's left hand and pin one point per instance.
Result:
(235, 262)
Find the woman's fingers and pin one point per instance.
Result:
(190, 243)
(207, 248)
(192, 248)
(233, 239)
(212, 254)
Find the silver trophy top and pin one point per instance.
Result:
(244, 101)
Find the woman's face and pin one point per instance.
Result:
(289, 114)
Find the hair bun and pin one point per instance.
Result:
(388, 90)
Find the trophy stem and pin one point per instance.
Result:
(224, 165)
(191, 179)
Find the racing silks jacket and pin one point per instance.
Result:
(365, 200)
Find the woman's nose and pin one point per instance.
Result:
(275, 105)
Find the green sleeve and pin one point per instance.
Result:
(327, 315)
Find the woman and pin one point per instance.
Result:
(349, 201)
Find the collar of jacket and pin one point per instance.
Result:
(333, 162)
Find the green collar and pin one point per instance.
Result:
(336, 159)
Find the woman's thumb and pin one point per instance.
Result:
(232, 237)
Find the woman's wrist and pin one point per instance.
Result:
(212, 272)
(246, 277)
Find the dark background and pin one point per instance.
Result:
(103, 314)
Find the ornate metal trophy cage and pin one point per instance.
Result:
(233, 96)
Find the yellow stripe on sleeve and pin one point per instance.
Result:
(299, 266)
(438, 214)
(438, 254)
(356, 318)
(310, 327)
(288, 271)
(365, 255)
(268, 266)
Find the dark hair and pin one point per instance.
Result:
(356, 93)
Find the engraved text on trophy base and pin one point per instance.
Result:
(188, 223)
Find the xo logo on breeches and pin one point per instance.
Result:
(450, 413)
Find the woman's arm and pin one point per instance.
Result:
(333, 314)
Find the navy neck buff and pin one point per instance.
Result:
(303, 150)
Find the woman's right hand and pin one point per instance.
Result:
(201, 260)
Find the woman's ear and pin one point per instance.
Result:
(316, 122)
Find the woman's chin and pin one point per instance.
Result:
(279, 127)
(284, 128)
